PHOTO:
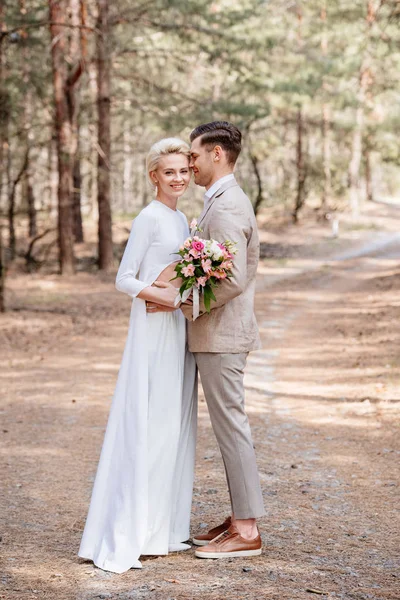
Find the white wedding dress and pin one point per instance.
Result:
(141, 499)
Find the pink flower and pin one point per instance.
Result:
(202, 281)
(227, 265)
(188, 271)
(219, 274)
(195, 253)
(193, 224)
(187, 257)
(206, 264)
(197, 245)
(187, 243)
(181, 248)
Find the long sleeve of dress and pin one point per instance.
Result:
(140, 238)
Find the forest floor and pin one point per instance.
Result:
(323, 399)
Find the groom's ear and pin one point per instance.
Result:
(217, 153)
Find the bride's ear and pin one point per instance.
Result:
(153, 177)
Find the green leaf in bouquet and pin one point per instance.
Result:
(182, 288)
(207, 299)
(208, 296)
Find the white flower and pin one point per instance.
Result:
(215, 250)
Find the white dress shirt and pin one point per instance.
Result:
(216, 186)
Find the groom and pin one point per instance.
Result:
(222, 339)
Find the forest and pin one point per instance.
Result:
(87, 85)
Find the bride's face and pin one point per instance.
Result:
(172, 175)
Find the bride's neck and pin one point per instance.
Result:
(170, 202)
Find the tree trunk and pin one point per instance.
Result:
(368, 175)
(354, 167)
(260, 196)
(76, 57)
(128, 163)
(326, 148)
(31, 208)
(57, 14)
(78, 227)
(53, 175)
(326, 120)
(2, 274)
(11, 204)
(94, 210)
(301, 174)
(104, 138)
(29, 137)
(12, 188)
(4, 107)
(4, 112)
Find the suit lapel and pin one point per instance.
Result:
(222, 189)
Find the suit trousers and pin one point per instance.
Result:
(222, 380)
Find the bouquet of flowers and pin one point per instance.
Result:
(203, 264)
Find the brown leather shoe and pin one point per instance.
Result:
(205, 538)
(230, 544)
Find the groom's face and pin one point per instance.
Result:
(201, 163)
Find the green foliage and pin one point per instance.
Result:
(254, 62)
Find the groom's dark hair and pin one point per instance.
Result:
(220, 133)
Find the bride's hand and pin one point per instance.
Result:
(152, 307)
(167, 294)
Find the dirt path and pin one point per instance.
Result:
(323, 399)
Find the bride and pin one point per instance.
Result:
(142, 493)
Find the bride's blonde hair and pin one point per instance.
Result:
(162, 148)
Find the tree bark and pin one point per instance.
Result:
(368, 174)
(104, 138)
(77, 57)
(326, 149)
(31, 208)
(4, 104)
(11, 203)
(78, 227)
(326, 121)
(354, 167)
(128, 162)
(53, 175)
(12, 188)
(58, 13)
(94, 209)
(29, 137)
(260, 195)
(2, 274)
(301, 174)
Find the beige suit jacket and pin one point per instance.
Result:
(231, 325)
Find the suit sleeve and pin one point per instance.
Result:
(140, 238)
(231, 227)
